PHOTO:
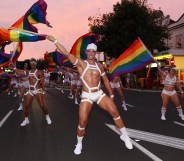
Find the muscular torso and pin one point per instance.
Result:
(33, 80)
(91, 76)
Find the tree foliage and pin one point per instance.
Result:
(129, 20)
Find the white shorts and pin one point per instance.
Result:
(92, 97)
(26, 84)
(34, 92)
(169, 93)
(74, 82)
(79, 84)
(115, 85)
(66, 80)
(46, 81)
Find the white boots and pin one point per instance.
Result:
(25, 122)
(48, 119)
(78, 149)
(20, 107)
(124, 137)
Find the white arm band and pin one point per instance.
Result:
(103, 74)
(76, 62)
(112, 96)
(55, 41)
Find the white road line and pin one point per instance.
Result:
(5, 118)
(138, 146)
(178, 123)
(129, 105)
(155, 138)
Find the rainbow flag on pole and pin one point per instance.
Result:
(36, 14)
(5, 58)
(80, 45)
(17, 35)
(134, 58)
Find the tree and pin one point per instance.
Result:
(129, 20)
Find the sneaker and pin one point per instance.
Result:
(71, 97)
(78, 149)
(182, 116)
(76, 102)
(48, 120)
(127, 141)
(163, 117)
(15, 95)
(20, 108)
(24, 123)
(8, 93)
(62, 91)
(124, 107)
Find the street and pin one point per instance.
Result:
(153, 139)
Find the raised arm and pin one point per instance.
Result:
(162, 73)
(17, 71)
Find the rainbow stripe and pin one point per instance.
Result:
(36, 14)
(5, 58)
(134, 58)
(79, 47)
(19, 35)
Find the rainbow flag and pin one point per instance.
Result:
(19, 35)
(79, 47)
(5, 58)
(134, 58)
(36, 14)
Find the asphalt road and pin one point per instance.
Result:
(41, 142)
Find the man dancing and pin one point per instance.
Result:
(36, 90)
(91, 73)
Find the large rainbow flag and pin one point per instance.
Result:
(134, 58)
(36, 14)
(79, 47)
(5, 58)
(19, 35)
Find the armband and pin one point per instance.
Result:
(55, 41)
(103, 74)
(14, 68)
(76, 62)
(112, 96)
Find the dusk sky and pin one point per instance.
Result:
(69, 19)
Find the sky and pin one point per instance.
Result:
(69, 20)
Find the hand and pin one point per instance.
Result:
(51, 38)
(11, 65)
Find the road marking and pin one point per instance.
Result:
(129, 105)
(5, 118)
(178, 123)
(154, 138)
(138, 146)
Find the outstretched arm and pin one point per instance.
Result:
(159, 69)
(17, 71)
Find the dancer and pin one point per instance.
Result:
(46, 79)
(91, 74)
(25, 86)
(117, 84)
(170, 81)
(36, 90)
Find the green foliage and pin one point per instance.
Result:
(129, 20)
